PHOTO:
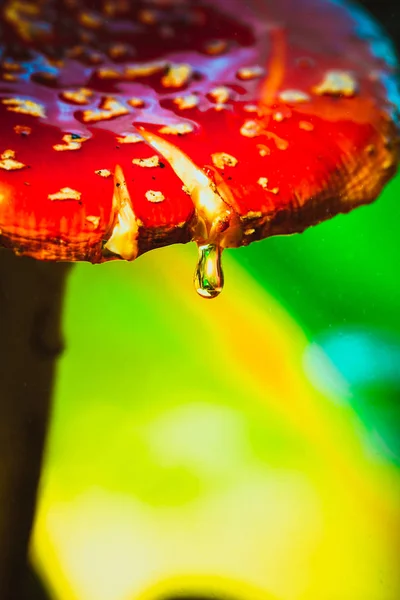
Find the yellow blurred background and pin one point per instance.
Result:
(245, 447)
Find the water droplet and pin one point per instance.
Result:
(209, 278)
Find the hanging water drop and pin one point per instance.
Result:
(209, 278)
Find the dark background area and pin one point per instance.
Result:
(388, 13)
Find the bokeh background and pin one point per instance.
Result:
(246, 447)
(240, 449)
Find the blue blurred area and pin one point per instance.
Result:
(364, 367)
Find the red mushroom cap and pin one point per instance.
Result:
(127, 126)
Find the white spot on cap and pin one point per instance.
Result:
(177, 129)
(95, 221)
(186, 102)
(71, 142)
(248, 73)
(109, 108)
(177, 76)
(25, 107)
(8, 162)
(129, 138)
(220, 94)
(151, 161)
(306, 126)
(80, 96)
(223, 159)
(337, 83)
(136, 102)
(294, 96)
(22, 129)
(66, 193)
(154, 196)
(215, 47)
(251, 129)
(263, 182)
(145, 69)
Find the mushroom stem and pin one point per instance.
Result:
(31, 294)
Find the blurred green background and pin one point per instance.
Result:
(245, 447)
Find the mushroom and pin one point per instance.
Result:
(130, 126)
(188, 124)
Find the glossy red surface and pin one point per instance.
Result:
(283, 106)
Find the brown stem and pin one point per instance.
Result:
(31, 294)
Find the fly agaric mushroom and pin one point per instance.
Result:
(132, 125)
(126, 126)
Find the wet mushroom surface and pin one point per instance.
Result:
(127, 126)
